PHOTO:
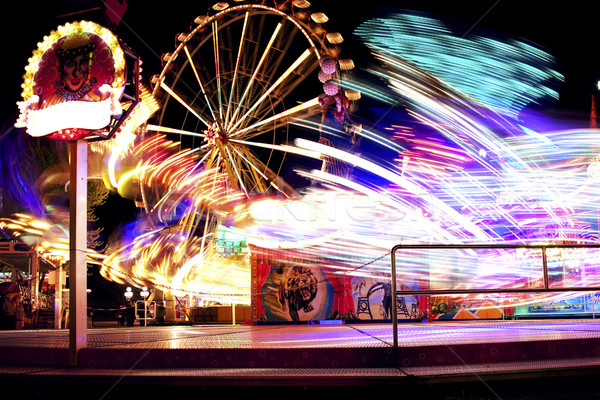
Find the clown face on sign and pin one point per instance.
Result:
(73, 83)
(75, 60)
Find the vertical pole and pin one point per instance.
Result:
(170, 312)
(394, 300)
(545, 267)
(58, 297)
(35, 282)
(31, 287)
(78, 250)
(232, 313)
(253, 283)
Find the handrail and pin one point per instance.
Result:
(545, 288)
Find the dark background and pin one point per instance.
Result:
(567, 30)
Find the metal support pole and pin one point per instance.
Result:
(170, 312)
(394, 299)
(78, 250)
(57, 276)
(545, 267)
(35, 282)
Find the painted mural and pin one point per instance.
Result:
(308, 290)
(295, 293)
(302, 287)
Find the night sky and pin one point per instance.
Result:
(567, 30)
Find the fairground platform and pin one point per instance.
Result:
(449, 360)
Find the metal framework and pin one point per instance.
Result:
(546, 287)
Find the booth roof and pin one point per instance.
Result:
(20, 257)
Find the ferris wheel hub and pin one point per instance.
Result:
(214, 133)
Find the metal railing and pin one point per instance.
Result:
(147, 309)
(546, 286)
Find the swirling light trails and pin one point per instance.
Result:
(47, 238)
(508, 74)
(177, 264)
(482, 176)
(514, 164)
(172, 261)
(411, 187)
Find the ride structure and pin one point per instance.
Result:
(238, 90)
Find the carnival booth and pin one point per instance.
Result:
(28, 278)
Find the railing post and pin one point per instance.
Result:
(546, 288)
(545, 268)
(394, 299)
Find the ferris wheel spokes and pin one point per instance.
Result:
(276, 84)
(236, 168)
(171, 92)
(193, 66)
(251, 131)
(215, 36)
(237, 67)
(259, 173)
(164, 129)
(255, 73)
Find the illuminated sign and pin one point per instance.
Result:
(73, 83)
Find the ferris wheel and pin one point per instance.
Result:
(231, 90)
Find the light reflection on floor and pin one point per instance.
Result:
(302, 336)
